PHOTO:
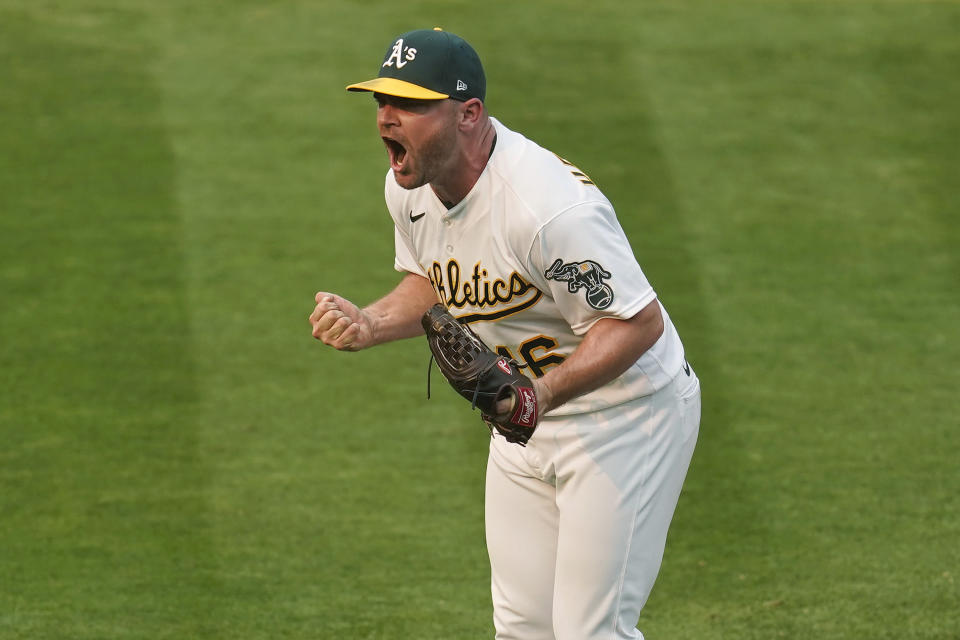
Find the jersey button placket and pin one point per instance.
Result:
(447, 222)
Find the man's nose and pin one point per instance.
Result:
(386, 116)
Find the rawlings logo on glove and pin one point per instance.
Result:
(482, 376)
(526, 413)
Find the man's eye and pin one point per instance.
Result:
(415, 106)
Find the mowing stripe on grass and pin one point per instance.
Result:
(101, 487)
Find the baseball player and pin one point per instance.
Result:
(523, 246)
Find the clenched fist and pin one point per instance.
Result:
(339, 323)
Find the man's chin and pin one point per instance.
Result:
(408, 181)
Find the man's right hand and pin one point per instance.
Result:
(339, 323)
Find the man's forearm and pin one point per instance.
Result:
(397, 315)
(610, 347)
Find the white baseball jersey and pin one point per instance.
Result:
(532, 258)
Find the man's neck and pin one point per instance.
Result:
(468, 167)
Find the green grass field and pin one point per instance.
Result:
(180, 459)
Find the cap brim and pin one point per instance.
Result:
(399, 88)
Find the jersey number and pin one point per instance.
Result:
(536, 353)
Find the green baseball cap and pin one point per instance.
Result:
(429, 64)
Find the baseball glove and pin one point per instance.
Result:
(482, 376)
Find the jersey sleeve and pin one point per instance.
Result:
(404, 259)
(583, 258)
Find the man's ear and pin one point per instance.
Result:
(470, 113)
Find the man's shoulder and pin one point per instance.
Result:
(543, 181)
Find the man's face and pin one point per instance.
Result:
(420, 136)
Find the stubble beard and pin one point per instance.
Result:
(433, 159)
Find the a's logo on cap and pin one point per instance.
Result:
(461, 85)
(400, 54)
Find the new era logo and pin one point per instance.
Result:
(461, 85)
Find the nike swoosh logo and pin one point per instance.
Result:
(414, 218)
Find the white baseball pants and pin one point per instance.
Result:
(576, 522)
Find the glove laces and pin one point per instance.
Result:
(476, 389)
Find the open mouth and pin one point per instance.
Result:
(397, 153)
